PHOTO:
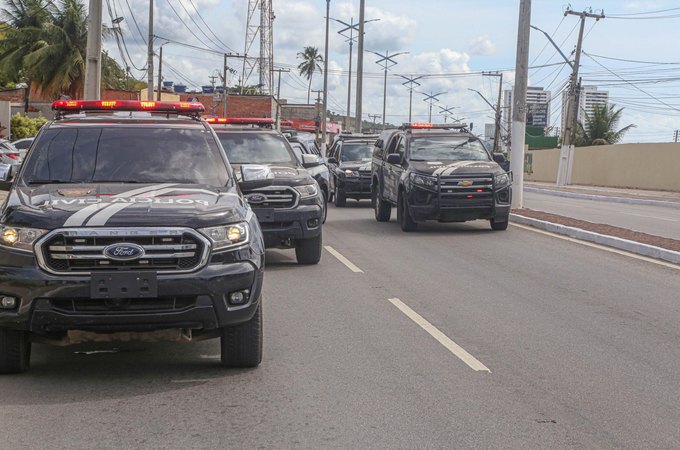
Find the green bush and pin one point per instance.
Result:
(23, 126)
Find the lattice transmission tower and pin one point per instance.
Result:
(261, 27)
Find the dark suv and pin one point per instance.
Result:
(288, 202)
(442, 173)
(126, 222)
(349, 162)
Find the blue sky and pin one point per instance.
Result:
(450, 41)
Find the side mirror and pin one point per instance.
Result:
(499, 158)
(394, 158)
(309, 161)
(332, 160)
(5, 177)
(379, 143)
(253, 172)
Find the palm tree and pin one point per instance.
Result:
(24, 20)
(600, 127)
(311, 62)
(57, 65)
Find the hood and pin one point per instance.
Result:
(52, 206)
(362, 166)
(445, 168)
(281, 175)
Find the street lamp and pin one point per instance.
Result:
(431, 98)
(325, 84)
(386, 61)
(351, 27)
(446, 112)
(413, 81)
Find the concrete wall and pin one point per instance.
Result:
(642, 166)
(541, 165)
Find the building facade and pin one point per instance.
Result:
(588, 98)
(538, 108)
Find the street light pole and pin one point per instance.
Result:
(386, 61)
(360, 64)
(411, 82)
(149, 62)
(431, 98)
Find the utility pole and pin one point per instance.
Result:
(224, 86)
(160, 72)
(446, 112)
(278, 98)
(93, 61)
(351, 27)
(570, 122)
(317, 118)
(360, 64)
(519, 99)
(324, 117)
(386, 61)
(499, 111)
(412, 82)
(431, 98)
(149, 61)
(676, 135)
(374, 116)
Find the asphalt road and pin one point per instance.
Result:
(581, 346)
(658, 220)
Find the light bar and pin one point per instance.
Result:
(127, 105)
(240, 120)
(440, 126)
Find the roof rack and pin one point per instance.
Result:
(260, 121)
(463, 127)
(63, 107)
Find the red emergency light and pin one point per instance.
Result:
(240, 120)
(127, 105)
(429, 126)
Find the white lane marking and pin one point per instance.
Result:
(343, 260)
(598, 246)
(443, 339)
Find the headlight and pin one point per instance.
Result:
(226, 236)
(307, 190)
(19, 238)
(350, 173)
(425, 181)
(502, 180)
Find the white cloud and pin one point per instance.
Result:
(482, 46)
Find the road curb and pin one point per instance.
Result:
(610, 241)
(602, 198)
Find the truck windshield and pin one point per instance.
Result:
(124, 154)
(256, 148)
(447, 148)
(356, 152)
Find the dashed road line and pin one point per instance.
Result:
(343, 260)
(443, 339)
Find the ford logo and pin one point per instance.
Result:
(256, 199)
(123, 252)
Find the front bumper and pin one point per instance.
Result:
(197, 301)
(356, 187)
(283, 226)
(425, 205)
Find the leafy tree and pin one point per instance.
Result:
(600, 128)
(23, 126)
(311, 62)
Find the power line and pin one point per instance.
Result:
(210, 29)
(643, 13)
(185, 24)
(135, 22)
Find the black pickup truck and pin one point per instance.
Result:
(438, 172)
(126, 222)
(349, 162)
(290, 205)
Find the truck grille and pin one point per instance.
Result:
(470, 190)
(274, 197)
(77, 251)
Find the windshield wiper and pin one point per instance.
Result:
(118, 181)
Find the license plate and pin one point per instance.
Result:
(124, 285)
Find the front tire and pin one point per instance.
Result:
(382, 209)
(340, 197)
(241, 345)
(499, 226)
(404, 216)
(15, 351)
(308, 251)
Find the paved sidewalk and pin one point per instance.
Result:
(597, 191)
